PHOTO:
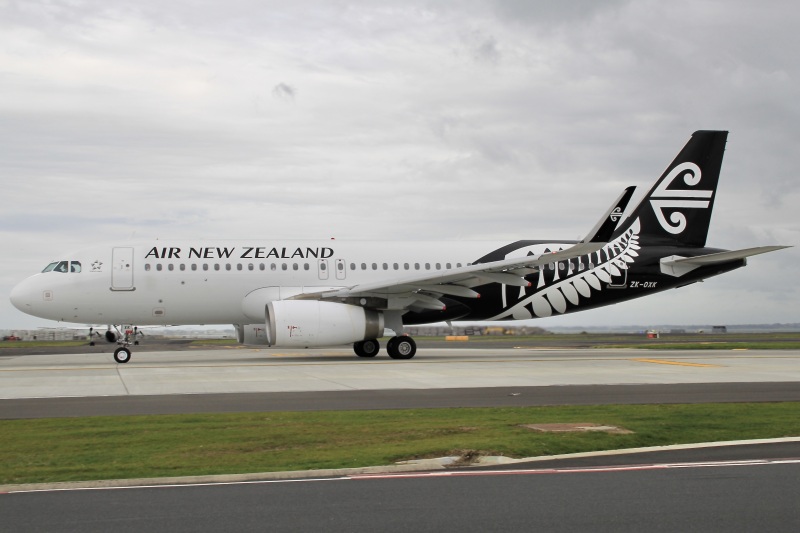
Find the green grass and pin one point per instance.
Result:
(766, 345)
(65, 449)
(42, 344)
(214, 342)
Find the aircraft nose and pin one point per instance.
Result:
(20, 297)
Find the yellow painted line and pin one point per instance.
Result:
(663, 362)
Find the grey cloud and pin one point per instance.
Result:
(549, 13)
(283, 91)
(526, 116)
(486, 51)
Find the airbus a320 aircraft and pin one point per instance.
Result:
(326, 293)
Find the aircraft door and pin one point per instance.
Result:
(122, 269)
(341, 269)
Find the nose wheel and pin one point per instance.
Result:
(122, 354)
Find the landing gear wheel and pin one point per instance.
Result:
(401, 347)
(122, 355)
(367, 348)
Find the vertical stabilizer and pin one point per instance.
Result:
(677, 210)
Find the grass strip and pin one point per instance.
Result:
(765, 345)
(48, 450)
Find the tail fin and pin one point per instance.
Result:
(677, 210)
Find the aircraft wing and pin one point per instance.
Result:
(677, 266)
(424, 290)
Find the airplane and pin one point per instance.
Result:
(327, 292)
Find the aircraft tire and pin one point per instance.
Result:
(401, 347)
(122, 355)
(367, 348)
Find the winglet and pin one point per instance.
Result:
(602, 231)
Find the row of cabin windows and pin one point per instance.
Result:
(323, 266)
(296, 266)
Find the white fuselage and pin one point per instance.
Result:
(169, 283)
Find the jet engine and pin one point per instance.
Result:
(307, 323)
(251, 334)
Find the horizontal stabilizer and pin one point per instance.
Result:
(676, 265)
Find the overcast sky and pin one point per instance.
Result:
(397, 120)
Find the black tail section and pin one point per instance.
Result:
(677, 210)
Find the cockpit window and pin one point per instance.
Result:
(63, 266)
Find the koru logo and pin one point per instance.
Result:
(615, 214)
(679, 198)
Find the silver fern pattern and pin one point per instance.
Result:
(579, 281)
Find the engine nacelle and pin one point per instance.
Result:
(307, 323)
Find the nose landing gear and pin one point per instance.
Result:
(122, 354)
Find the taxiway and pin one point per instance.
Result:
(243, 379)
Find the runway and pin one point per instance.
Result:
(243, 379)
(735, 488)
(727, 495)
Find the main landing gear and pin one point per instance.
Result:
(402, 347)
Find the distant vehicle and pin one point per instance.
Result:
(11, 338)
(326, 293)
